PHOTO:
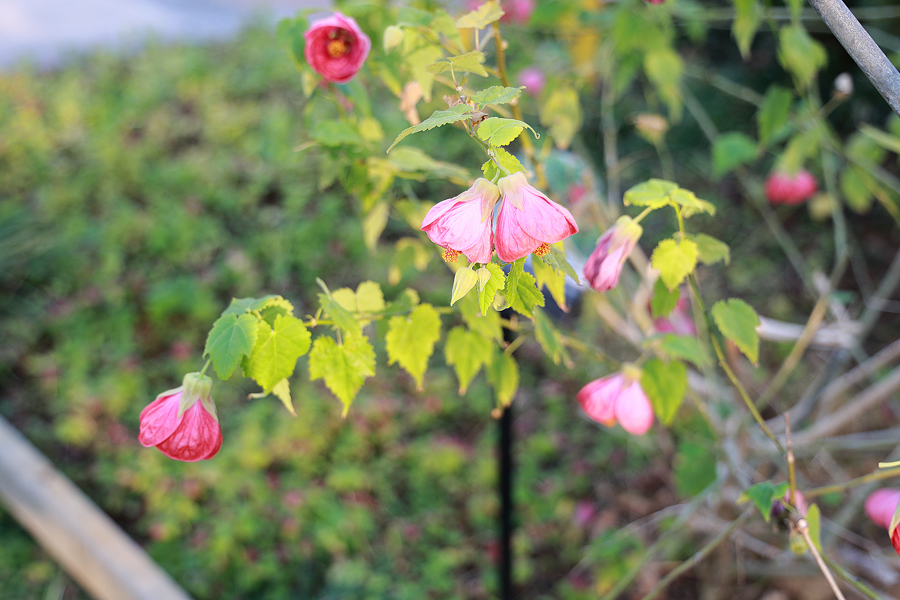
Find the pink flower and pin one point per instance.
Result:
(679, 320)
(336, 48)
(880, 507)
(463, 224)
(517, 11)
(782, 188)
(604, 265)
(617, 398)
(533, 80)
(529, 221)
(654, 1)
(182, 422)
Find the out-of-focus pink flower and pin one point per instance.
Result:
(336, 48)
(533, 80)
(529, 221)
(654, 1)
(604, 265)
(880, 507)
(617, 398)
(783, 188)
(517, 11)
(679, 320)
(182, 422)
(463, 224)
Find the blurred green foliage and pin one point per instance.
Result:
(139, 195)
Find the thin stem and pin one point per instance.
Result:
(205, 367)
(803, 528)
(697, 557)
(852, 581)
(841, 487)
(792, 475)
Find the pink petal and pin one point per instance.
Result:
(633, 410)
(160, 418)
(598, 398)
(198, 437)
(528, 219)
(880, 506)
(343, 68)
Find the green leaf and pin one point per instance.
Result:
(500, 132)
(774, 113)
(665, 384)
(763, 494)
(343, 318)
(343, 367)
(856, 187)
(738, 322)
(674, 261)
(695, 468)
(290, 34)
(503, 375)
(548, 337)
(336, 133)
(438, 118)
(557, 259)
(471, 62)
(686, 347)
(553, 279)
(374, 223)
(730, 150)
(231, 338)
(486, 324)
(747, 17)
(521, 291)
(466, 351)
(710, 250)
(245, 305)
(562, 115)
(800, 55)
(496, 94)
(814, 520)
(690, 203)
(463, 282)
(282, 391)
(664, 68)
(410, 340)
(491, 280)
(663, 300)
(653, 193)
(418, 54)
(505, 160)
(276, 351)
(481, 17)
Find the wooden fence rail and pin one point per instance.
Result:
(95, 551)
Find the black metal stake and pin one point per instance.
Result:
(506, 505)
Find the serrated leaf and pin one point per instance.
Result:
(471, 62)
(553, 279)
(557, 259)
(231, 338)
(336, 133)
(731, 150)
(343, 367)
(710, 250)
(481, 17)
(244, 305)
(674, 261)
(561, 114)
(521, 291)
(496, 94)
(276, 351)
(342, 318)
(686, 347)
(282, 391)
(738, 322)
(800, 54)
(463, 282)
(438, 118)
(665, 384)
(548, 337)
(487, 324)
(663, 300)
(410, 340)
(500, 132)
(762, 495)
(503, 375)
(504, 159)
(690, 204)
(747, 17)
(653, 193)
(774, 113)
(491, 280)
(466, 351)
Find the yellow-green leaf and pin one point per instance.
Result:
(410, 340)
(738, 322)
(674, 261)
(282, 391)
(665, 384)
(466, 351)
(463, 282)
(471, 62)
(500, 132)
(460, 112)
(491, 280)
(481, 17)
(344, 367)
(503, 375)
(561, 115)
(276, 351)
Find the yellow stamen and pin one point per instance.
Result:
(450, 255)
(337, 48)
(542, 250)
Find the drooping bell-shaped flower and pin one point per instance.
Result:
(880, 507)
(528, 221)
(183, 422)
(604, 265)
(463, 224)
(784, 188)
(618, 398)
(678, 321)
